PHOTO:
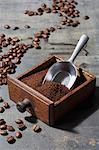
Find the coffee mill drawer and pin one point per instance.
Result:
(42, 107)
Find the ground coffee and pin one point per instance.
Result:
(52, 90)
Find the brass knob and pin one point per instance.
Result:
(22, 106)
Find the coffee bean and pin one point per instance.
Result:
(1, 99)
(27, 26)
(3, 132)
(19, 121)
(15, 39)
(6, 105)
(43, 5)
(2, 35)
(2, 122)
(10, 139)
(40, 10)
(3, 127)
(37, 46)
(1, 108)
(6, 26)
(52, 29)
(18, 134)
(35, 13)
(4, 81)
(30, 46)
(15, 28)
(40, 13)
(36, 39)
(86, 17)
(36, 128)
(10, 128)
(47, 10)
(26, 12)
(21, 127)
(30, 13)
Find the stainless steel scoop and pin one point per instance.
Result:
(65, 72)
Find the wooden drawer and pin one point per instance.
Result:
(42, 107)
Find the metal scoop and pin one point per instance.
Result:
(65, 72)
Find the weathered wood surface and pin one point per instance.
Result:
(82, 131)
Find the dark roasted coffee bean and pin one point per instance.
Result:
(2, 122)
(6, 105)
(1, 99)
(30, 46)
(2, 35)
(40, 10)
(37, 46)
(1, 108)
(19, 121)
(10, 128)
(52, 29)
(35, 13)
(4, 81)
(16, 60)
(36, 39)
(15, 28)
(86, 17)
(43, 5)
(47, 10)
(26, 12)
(6, 26)
(10, 139)
(27, 26)
(30, 13)
(21, 127)
(15, 39)
(3, 132)
(18, 134)
(3, 127)
(40, 13)
(36, 128)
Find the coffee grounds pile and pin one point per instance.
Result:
(52, 90)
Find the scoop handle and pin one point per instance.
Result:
(81, 43)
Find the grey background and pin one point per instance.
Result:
(80, 129)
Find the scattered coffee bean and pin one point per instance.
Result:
(10, 128)
(36, 39)
(3, 132)
(30, 46)
(3, 127)
(30, 13)
(18, 134)
(15, 28)
(86, 17)
(36, 128)
(43, 5)
(52, 29)
(6, 26)
(1, 99)
(6, 105)
(1, 108)
(15, 39)
(27, 26)
(10, 139)
(2, 35)
(21, 127)
(36, 46)
(47, 10)
(26, 12)
(19, 121)
(2, 122)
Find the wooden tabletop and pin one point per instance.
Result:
(73, 133)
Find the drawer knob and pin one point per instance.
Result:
(22, 106)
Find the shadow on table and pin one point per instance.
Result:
(74, 118)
